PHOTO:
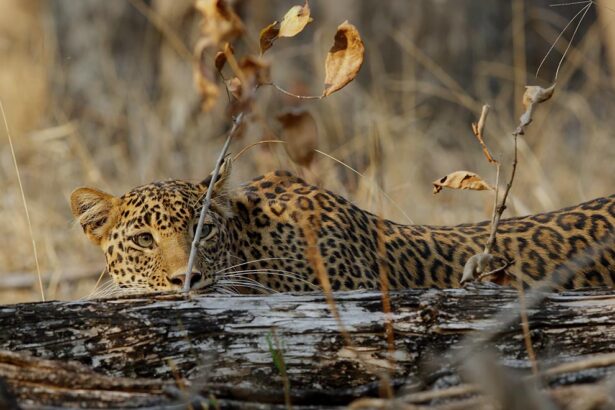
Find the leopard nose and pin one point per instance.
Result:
(180, 279)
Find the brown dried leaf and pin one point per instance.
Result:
(460, 180)
(220, 59)
(268, 35)
(344, 59)
(220, 23)
(295, 20)
(300, 132)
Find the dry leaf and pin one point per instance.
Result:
(220, 23)
(460, 180)
(268, 35)
(344, 58)
(533, 95)
(300, 132)
(476, 265)
(220, 59)
(295, 20)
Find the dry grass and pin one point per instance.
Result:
(106, 98)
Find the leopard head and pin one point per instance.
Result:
(146, 234)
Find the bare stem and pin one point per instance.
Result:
(301, 97)
(495, 221)
(207, 200)
(477, 129)
(491, 239)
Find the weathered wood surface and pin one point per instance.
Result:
(150, 350)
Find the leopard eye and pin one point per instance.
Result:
(144, 240)
(206, 231)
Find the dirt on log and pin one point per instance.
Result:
(231, 351)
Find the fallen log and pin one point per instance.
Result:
(238, 350)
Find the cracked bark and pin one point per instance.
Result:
(168, 350)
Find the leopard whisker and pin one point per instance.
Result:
(272, 272)
(255, 261)
(225, 290)
(249, 285)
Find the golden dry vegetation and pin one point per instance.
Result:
(102, 93)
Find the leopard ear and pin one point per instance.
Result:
(223, 176)
(95, 210)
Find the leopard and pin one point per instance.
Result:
(278, 233)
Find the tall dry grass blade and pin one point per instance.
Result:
(525, 325)
(364, 176)
(574, 33)
(25, 203)
(582, 11)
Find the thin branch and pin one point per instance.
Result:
(301, 97)
(207, 200)
(477, 129)
(495, 271)
(491, 240)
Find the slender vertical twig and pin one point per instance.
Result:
(207, 200)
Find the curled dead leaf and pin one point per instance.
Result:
(476, 265)
(220, 59)
(460, 180)
(295, 20)
(300, 133)
(533, 95)
(219, 23)
(268, 35)
(344, 59)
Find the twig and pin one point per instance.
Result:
(502, 206)
(207, 200)
(495, 271)
(301, 97)
(491, 240)
(477, 129)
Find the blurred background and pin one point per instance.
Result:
(101, 93)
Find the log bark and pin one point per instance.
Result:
(173, 350)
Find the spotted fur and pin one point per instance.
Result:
(258, 235)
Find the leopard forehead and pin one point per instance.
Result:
(166, 205)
